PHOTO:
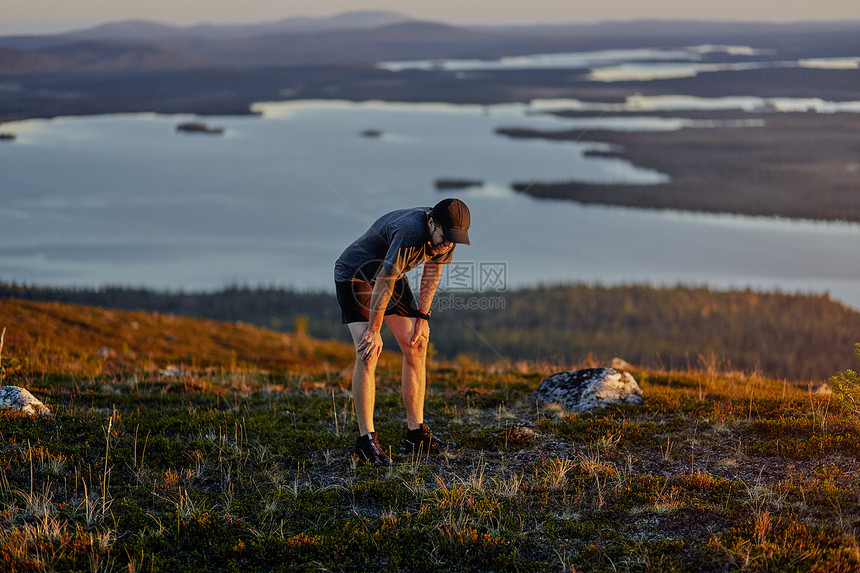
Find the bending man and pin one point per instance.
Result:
(372, 288)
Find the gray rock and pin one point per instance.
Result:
(16, 398)
(585, 390)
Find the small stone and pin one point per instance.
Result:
(173, 371)
(588, 389)
(16, 398)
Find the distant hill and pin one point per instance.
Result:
(369, 37)
(92, 56)
(147, 30)
(402, 41)
(14, 62)
(127, 30)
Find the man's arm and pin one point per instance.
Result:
(371, 341)
(429, 283)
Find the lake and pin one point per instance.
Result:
(126, 199)
(639, 64)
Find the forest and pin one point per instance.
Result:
(789, 336)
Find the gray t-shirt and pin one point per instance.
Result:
(397, 241)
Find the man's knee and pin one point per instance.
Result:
(368, 365)
(416, 351)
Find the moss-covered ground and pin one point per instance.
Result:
(188, 445)
(190, 471)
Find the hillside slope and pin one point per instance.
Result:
(46, 337)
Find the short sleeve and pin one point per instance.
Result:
(400, 254)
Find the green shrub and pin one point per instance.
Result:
(846, 384)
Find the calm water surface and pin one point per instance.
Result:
(128, 200)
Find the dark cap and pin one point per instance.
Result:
(454, 218)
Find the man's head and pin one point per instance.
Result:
(453, 217)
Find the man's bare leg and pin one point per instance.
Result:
(413, 386)
(363, 382)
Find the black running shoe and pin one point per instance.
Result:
(422, 441)
(368, 450)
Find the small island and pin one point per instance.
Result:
(443, 184)
(197, 127)
(373, 133)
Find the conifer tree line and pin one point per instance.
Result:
(779, 335)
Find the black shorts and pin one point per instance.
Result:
(354, 300)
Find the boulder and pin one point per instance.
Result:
(585, 390)
(16, 398)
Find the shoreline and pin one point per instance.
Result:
(229, 91)
(796, 166)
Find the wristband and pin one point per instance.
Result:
(426, 317)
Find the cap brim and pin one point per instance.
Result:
(460, 236)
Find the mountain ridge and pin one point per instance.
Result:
(153, 30)
(366, 38)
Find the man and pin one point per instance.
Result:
(372, 288)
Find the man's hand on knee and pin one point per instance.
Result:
(421, 330)
(370, 344)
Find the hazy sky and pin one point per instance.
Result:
(38, 16)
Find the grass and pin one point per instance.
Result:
(147, 469)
